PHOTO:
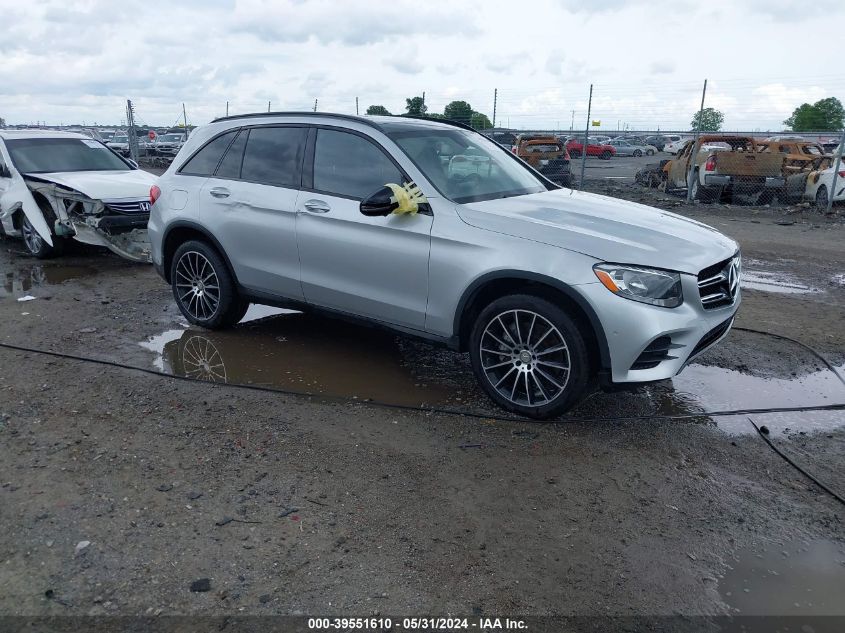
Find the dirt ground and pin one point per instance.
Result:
(119, 490)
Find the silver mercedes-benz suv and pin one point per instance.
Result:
(432, 229)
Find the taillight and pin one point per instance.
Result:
(842, 174)
(155, 193)
(710, 165)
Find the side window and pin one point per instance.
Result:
(205, 161)
(273, 156)
(349, 165)
(230, 166)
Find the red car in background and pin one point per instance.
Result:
(575, 147)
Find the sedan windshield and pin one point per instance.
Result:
(45, 155)
(172, 138)
(465, 166)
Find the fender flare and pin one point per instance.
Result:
(566, 289)
(187, 224)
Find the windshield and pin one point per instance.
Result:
(120, 139)
(465, 166)
(44, 155)
(170, 138)
(106, 135)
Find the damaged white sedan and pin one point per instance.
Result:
(56, 186)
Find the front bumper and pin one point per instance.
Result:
(631, 328)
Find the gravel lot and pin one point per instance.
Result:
(119, 490)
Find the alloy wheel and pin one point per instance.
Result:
(197, 285)
(31, 238)
(525, 358)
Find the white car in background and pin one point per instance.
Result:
(56, 186)
(820, 184)
(676, 143)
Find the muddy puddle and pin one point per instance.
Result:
(794, 579)
(774, 282)
(312, 354)
(19, 281)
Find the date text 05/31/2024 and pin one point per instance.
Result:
(417, 624)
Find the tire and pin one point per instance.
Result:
(821, 197)
(637, 153)
(700, 193)
(649, 152)
(605, 155)
(575, 154)
(197, 271)
(34, 243)
(499, 353)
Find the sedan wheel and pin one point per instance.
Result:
(529, 356)
(36, 245)
(638, 153)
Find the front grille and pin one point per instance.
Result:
(128, 207)
(712, 336)
(718, 285)
(656, 352)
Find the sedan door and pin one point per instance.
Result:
(374, 267)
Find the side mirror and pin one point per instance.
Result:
(380, 204)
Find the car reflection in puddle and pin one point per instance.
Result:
(316, 355)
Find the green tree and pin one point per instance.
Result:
(708, 120)
(824, 115)
(459, 111)
(379, 110)
(480, 121)
(415, 106)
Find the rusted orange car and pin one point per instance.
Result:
(799, 155)
(546, 154)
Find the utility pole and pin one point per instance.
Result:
(131, 134)
(268, 106)
(227, 108)
(422, 109)
(694, 154)
(495, 100)
(572, 123)
(185, 117)
(836, 167)
(586, 135)
(356, 106)
(315, 105)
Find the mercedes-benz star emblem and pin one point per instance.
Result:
(733, 277)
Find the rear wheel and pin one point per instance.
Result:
(529, 356)
(575, 154)
(821, 197)
(605, 155)
(204, 288)
(638, 153)
(649, 152)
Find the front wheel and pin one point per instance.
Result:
(529, 356)
(638, 153)
(605, 155)
(821, 197)
(649, 152)
(204, 288)
(36, 245)
(575, 154)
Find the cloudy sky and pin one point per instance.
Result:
(74, 61)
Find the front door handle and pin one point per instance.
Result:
(317, 206)
(219, 192)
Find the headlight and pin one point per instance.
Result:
(656, 287)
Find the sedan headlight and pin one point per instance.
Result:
(646, 285)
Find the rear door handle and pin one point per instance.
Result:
(219, 192)
(317, 206)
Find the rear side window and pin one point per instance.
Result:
(204, 162)
(351, 166)
(273, 156)
(230, 166)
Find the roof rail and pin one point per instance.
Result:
(258, 115)
(427, 118)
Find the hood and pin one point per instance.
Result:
(103, 185)
(608, 229)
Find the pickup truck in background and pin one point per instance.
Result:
(725, 165)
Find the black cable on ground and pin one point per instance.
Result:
(764, 435)
(423, 409)
(815, 353)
